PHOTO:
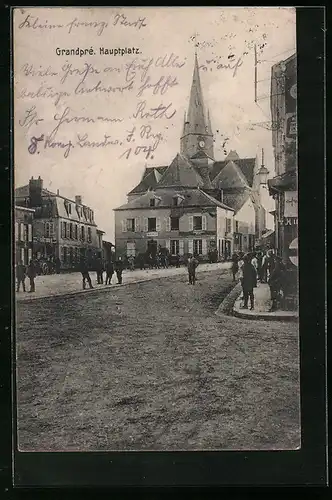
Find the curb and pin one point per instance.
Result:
(264, 316)
(106, 288)
(226, 307)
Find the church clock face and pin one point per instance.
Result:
(201, 142)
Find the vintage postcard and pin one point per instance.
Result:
(156, 254)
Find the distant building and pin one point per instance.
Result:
(62, 228)
(108, 251)
(195, 204)
(23, 235)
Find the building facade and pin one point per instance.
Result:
(283, 187)
(23, 235)
(195, 204)
(62, 228)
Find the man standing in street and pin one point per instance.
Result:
(84, 268)
(249, 282)
(109, 272)
(119, 269)
(99, 270)
(31, 272)
(191, 265)
(20, 276)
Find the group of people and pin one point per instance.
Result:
(109, 267)
(22, 272)
(265, 268)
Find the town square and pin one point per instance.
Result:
(156, 258)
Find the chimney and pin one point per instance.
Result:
(57, 192)
(35, 192)
(78, 199)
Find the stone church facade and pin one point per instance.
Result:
(195, 204)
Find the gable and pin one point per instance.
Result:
(181, 173)
(246, 165)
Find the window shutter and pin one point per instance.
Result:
(29, 254)
(16, 231)
(204, 247)
(158, 224)
(29, 232)
(191, 223)
(137, 228)
(191, 246)
(146, 227)
(181, 247)
(23, 256)
(124, 225)
(168, 245)
(22, 232)
(168, 224)
(204, 223)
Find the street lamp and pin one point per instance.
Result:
(263, 172)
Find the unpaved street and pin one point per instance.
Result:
(150, 367)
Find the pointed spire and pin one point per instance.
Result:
(184, 124)
(196, 115)
(209, 123)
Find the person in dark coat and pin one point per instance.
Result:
(57, 265)
(99, 270)
(84, 268)
(20, 276)
(235, 266)
(32, 273)
(109, 272)
(119, 269)
(249, 282)
(141, 261)
(177, 260)
(276, 282)
(192, 265)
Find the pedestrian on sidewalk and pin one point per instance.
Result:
(109, 272)
(192, 265)
(240, 270)
(119, 269)
(177, 260)
(84, 268)
(259, 257)
(235, 265)
(254, 262)
(276, 283)
(20, 276)
(32, 273)
(249, 282)
(57, 265)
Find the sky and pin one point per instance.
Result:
(71, 102)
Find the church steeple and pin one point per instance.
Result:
(197, 134)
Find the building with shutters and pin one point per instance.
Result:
(195, 204)
(62, 228)
(23, 234)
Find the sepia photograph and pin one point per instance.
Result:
(156, 229)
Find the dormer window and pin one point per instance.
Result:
(177, 200)
(152, 202)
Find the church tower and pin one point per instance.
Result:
(197, 137)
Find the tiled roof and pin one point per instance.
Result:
(181, 173)
(192, 197)
(247, 166)
(230, 177)
(236, 198)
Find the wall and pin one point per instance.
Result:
(225, 241)
(163, 235)
(23, 236)
(247, 216)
